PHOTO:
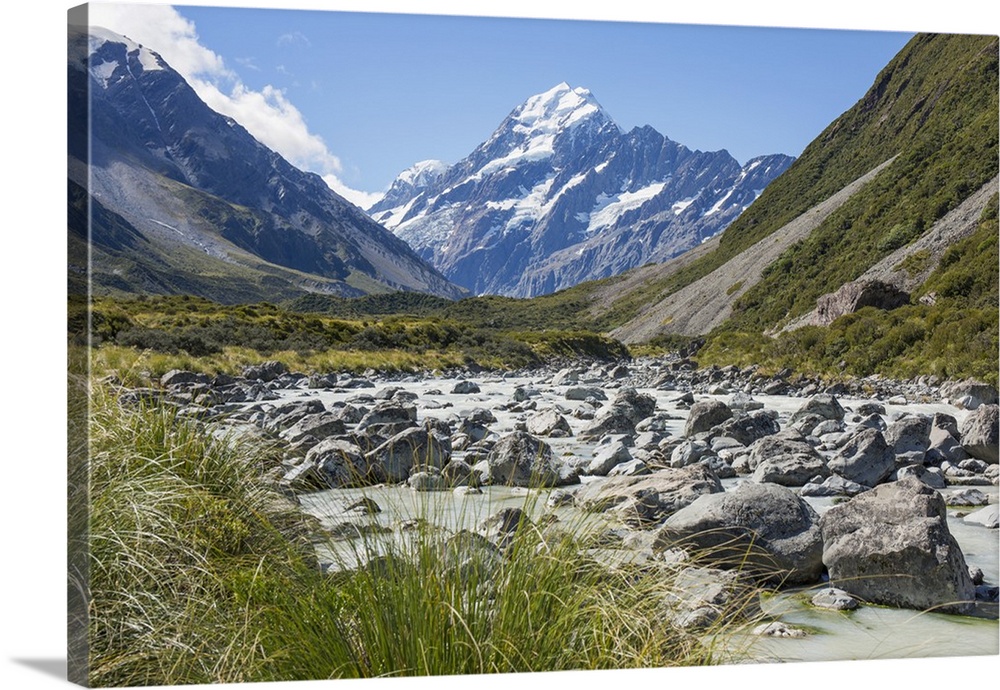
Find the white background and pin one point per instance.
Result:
(32, 392)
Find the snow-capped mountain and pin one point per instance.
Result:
(560, 194)
(205, 207)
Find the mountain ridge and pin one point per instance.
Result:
(559, 194)
(183, 175)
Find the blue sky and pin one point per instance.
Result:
(358, 97)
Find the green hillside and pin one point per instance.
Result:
(935, 107)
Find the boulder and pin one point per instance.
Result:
(585, 393)
(748, 428)
(548, 423)
(389, 412)
(520, 459)
(831, 486)
(465, 388)
(667, 491)
(606, 457)
(835, 599)
(764, 529)
(909, 437)
(409, 448)
(969, 394)
(705, 414)
(627, 409)
(892, 546)
(855, 295)
(336, 464)
(865, 458)
(823, 405)
(268, 371)
(790, 470)
(987, 517)
(979, 433)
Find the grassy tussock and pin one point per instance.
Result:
(197, 577)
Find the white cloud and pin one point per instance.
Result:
(267, 114)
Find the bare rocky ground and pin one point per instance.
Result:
(877, 497)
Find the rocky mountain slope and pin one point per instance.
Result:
(559, 194)
(909, 171)
(184, 199)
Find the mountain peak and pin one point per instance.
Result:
(560, 107)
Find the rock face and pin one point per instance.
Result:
(854, 296)
(979, 433)
(559, 194)
(763, 528)
(892, 546)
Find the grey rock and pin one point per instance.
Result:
(864, 458)
(836, 599)
(389, 412)
(340, 464)
(979, 433)
(764, 529)
(465, 388)
(969, 394)
(892, 546)
(407, 449)
(831, 486)
(823, 405)
(666, 490)
(967, 497)
(748, 428)
(778, 629)
(548, 423)
(909, 436)
(606, 457)
(520, 459)
(706, 414)
(585, 393)
(987, 517)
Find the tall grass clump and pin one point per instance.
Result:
(179, 524)
(200, 573)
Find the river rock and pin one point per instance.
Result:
(892, 546)
(909, 437)
(748, 428)
(979, 433)
(628, 409)
(835, 599)
(705, 414)
(667, 490)
(865, 458)
(763, 528)
(268, 371)
(606, 457)
(520, 459)
(465, 388)
(409, 448)
(967, 497)
(548, 423)
(824, 405)
(833, 485)
(969, 394)
(585, 393)
(987, 517)
(389, 412)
